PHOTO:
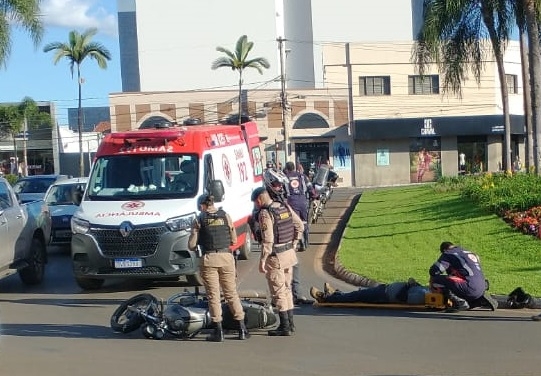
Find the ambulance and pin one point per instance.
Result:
(135, 216)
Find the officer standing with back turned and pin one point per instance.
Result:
(214, 232)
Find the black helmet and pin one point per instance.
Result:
(276, 183)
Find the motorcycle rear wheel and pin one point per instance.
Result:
(125, 320)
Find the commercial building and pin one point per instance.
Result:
(354, 98)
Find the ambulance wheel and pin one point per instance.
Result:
(246, 248)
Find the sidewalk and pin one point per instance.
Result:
(326, 236)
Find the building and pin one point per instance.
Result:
(341, 57)
(92, 116)
(38, 142)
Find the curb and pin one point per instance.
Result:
(331, 256)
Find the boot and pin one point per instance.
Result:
(283, 329)
(243, 332)
(290, 319)
(218, 333)
(458, 304)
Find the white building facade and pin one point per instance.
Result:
(392, 129)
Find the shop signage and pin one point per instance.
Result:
(428, 128)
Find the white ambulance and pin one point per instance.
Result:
(141, 198)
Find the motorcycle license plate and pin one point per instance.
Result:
(128, 263)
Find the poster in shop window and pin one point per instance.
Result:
(425, 159)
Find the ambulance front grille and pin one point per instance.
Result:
(140, 242)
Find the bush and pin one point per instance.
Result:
(11, 178)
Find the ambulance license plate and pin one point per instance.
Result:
(128, 263)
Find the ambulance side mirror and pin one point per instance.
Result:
(216, 188)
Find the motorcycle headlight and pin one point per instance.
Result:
(180, 223)
(79, 226)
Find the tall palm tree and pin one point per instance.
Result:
(532, 10)
(22, 13)
(238, 61)
(78, 48)
(453, 36)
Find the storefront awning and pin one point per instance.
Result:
(373, 129)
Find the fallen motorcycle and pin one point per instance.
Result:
(183, 315)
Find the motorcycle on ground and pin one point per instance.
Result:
(183, 315)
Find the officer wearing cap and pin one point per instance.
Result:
(213, 232)
(280, 229)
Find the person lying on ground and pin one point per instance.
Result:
(410, 292)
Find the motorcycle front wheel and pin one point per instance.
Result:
(127, 318)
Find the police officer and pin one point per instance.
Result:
(213, 232)
(281, 229)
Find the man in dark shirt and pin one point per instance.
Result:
(458, 273)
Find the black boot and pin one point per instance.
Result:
(218, 333)
(458, 304)
(243, 332)
(290, 319)
(283, 329)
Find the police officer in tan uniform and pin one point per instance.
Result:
(281, 229)
(214, 232)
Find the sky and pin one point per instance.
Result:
(31, 72)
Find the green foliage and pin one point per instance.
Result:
(11, 178)
(395, 233)
(12, 117)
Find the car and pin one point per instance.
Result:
(62, 198)
(33, 187)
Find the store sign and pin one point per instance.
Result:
(428, 128)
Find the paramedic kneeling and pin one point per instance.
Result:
(214, 232)
(458, 272)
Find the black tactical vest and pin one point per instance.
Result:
(214, 233)
(283, 228)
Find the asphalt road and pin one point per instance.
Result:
(57, 329)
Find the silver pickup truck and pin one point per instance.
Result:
(25, 230)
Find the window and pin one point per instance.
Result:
(424, 85)
(375, 85)
(512, 84)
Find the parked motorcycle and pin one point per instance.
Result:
(183, 315)
(324, 182)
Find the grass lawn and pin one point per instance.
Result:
(395, 233)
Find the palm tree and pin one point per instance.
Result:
(532, 10)
(453, 36)
(23, 13)
(78, 48)
(238, 61)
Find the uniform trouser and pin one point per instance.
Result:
(296, 282)
(279, 281)
(218, 270)
(300, 207)
(375, 294)
(457, 286)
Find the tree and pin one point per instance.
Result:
(78, 48)
(453, 35)
(238, 61)
(23, 13)
(531, 15)
(18, 118)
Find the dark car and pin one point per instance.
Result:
(33, 187)
(62, 198)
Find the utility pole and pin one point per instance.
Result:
(25, 149)
(283, 96)
(351, 116)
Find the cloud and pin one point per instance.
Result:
(80, 15)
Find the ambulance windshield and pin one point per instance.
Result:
(144, 177)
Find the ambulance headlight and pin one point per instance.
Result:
(79, 226)
(180, 223)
